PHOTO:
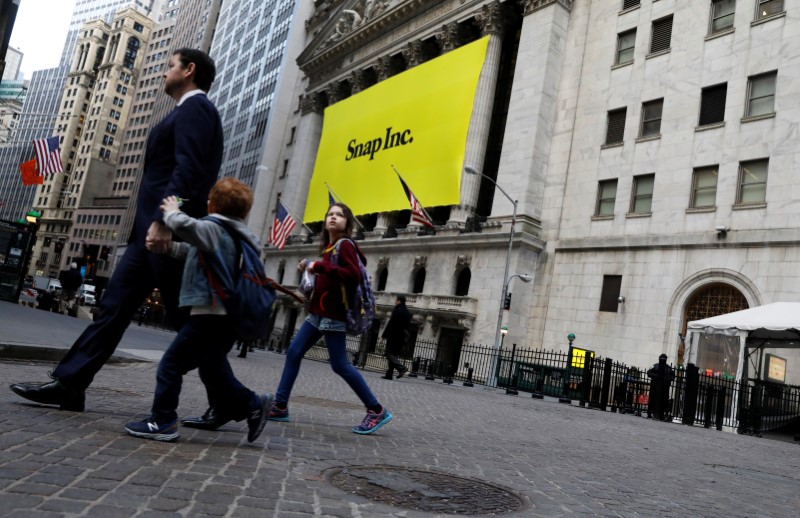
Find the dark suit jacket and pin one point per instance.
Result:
(183, 158)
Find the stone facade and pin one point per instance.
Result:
(567, 77)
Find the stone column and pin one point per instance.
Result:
(491, 20)
(301, 167)
(532, 107)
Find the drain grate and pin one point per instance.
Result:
(427, 491)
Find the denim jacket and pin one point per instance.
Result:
(210, 237)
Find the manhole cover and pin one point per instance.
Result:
(427, 491)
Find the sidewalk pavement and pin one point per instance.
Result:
(545, 458)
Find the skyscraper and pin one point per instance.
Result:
(40, 110)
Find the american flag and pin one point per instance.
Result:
(418, 214)
(281, 228)
(48, 155)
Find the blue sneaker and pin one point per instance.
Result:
(373, 421)
(149, 429)
(258, 416)
(276, 414)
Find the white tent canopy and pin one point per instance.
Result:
(776, 322)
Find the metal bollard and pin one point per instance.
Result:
(468, 383)
(448, 378)
(429, 370)
(512, 390)
(414, 368)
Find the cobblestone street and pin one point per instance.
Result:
(552, 459)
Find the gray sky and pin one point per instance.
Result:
(39, 32)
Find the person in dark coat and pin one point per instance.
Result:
(71, 281)
(395, 334)
(661, 376)
(183, 158)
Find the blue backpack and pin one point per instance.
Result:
(361, 307)
(247, 294)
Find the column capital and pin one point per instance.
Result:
(412, 53)
(492, 18)
(336, 93)
(357, 81)
(449, 36)
(310, 103)
(531, 6)
(383, 68)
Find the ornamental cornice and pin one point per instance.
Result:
(531, 6)
(351, 31)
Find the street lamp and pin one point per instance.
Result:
(506, 280)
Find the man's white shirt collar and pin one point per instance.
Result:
(190, 94)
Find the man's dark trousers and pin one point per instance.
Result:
(134, 278)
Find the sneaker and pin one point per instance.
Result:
(258, 417)
(276, 414)
(373, 421)
(149, 429)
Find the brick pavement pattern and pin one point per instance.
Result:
(562, 460)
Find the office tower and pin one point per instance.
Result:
(38, 117)
(81, 211)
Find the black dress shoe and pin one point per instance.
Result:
(208, 421)
(402, 372)
(52, 393)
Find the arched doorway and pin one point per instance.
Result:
(709, 301)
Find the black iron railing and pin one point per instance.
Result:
(687, 396)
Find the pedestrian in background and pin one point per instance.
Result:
(206, 339)
(183, 157)
(334, 280)
(395, 333)
(661, 376)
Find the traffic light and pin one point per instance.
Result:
(104, 251)
(507, 302)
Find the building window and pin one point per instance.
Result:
(651, 118)
(712, 104)
(767, 8)
(616, 126)
(383, 276)
(662, 35)
(761, 94)
(606, 197)
(704, 187)
(642, 194)
(625, 45)
(722, 13)
(462, 282)
(752, 182)
(627, 4)
(419, 281)
(610, 294)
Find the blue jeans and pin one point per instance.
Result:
(305, 338)
(202, 344)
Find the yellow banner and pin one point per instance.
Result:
(416, 121)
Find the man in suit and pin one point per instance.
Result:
(183, 157)
(395, 334)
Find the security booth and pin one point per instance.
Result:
(16, 240)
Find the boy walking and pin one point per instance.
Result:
(204, 342)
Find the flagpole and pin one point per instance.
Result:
(341, 201)
(421, 205)
(295, 217)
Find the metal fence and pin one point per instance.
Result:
(685, 395)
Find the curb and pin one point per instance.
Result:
(34, 352)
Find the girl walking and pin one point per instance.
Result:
(335, 276)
